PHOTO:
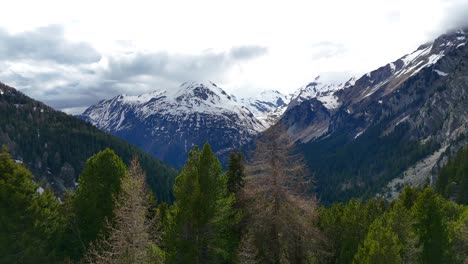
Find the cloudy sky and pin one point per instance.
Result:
(71, 54)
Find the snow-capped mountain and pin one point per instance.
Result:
(401, 120)
(324, 92)
(168, 122)
(268, 106)
(178, 102)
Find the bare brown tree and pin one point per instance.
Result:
(280, 215)
(128, 239)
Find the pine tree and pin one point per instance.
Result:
(432, 228)
(235, 172)
(202, 217)
(127, 240)
(30, 222)
(380, 246)
(347, 226)
(401, 221)
(93, 201)
(279, 225)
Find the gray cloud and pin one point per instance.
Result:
(247, 52)
(81, 85)
(326, 49)
(46, 43)
(180, 67)
(455, 17)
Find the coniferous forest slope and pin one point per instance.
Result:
(55, 146)
(256, 212)
(395, 125)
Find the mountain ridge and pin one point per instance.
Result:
(413, 107)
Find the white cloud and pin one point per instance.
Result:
(286, 43)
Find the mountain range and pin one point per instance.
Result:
(396, 125)
(370, 135)
(168, 122)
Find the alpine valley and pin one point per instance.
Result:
(368, 136)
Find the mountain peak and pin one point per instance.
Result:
(202, 91)
(323, 92)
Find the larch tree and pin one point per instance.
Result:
(279, 215)
(127, 238)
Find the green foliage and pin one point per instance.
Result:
(55, 146)
(380, 246)
(419, 227)
(201, 219)
(459, 234)
(347, 226)
(235, 173)
(401, 221)
(126, 238)
(93, 201)
(453, 179)
(432, 218)
(29, 222)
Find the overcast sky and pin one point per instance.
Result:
(71, 54)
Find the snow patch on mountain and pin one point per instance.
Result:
(268, 106)
(323, 92)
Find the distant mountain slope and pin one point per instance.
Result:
(323, 92)
(268, 106)
(168, 122)
(55, 146)
(388, 124)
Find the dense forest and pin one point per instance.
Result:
(55, 146)
(453, 179)
(260, 211)
(367, 163)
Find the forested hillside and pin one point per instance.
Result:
(453, 179)
(55, 146)
(255, 212)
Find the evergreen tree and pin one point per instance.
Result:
(93, 201)
(235, 173)
(432, 228)
(202, 217)
(452, 182)
(402, 222)
(380, 246)
(128, 240)
(347, 226)
(29, 222)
